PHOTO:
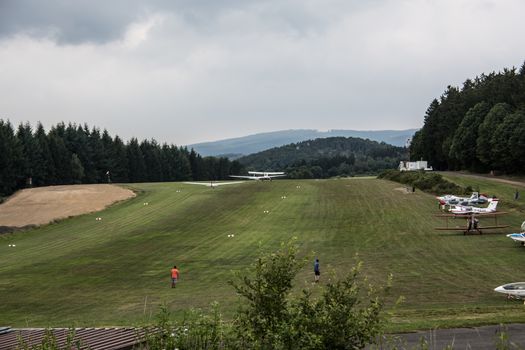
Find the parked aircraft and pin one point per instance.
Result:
(260, 175)
(518, 237)
(512, 290)
(465, 210)
(474, 199)
(473, 214)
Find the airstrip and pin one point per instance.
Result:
(115, 271)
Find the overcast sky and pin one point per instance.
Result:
(185, 71)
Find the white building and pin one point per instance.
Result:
(414, 166)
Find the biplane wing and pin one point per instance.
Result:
(472, 222)
(466, 215)
(478, 230)
(481, 228)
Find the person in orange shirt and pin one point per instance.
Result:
(174, 276)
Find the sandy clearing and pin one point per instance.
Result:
(38, 206)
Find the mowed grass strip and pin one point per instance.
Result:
(116, 271)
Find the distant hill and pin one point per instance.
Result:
(259, 142)
(327, 157)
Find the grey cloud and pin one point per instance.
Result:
(81, 21)
(65, 21)
(185, 71)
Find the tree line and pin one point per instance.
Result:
(479, 127)
(74, 154)
(328, 157)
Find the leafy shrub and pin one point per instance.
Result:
(347, 315)
(425, 181)
(198, 330)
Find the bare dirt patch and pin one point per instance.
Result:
(403, 190)
(39, 206)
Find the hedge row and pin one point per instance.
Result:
(425, 181)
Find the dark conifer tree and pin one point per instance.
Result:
(44, 173)
(11, 162)
(107, 162)
(197, 166)
(77, 169)
(152, 160)
(136, 164)
(120, 170)
(98, 158)
(32, 165)
(61, 157)
(183, 165)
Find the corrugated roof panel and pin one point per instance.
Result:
(92, 338)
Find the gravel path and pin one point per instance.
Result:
(478, 338)
(486, 177)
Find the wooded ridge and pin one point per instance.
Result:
(72, 154)
(328, 157)
(478, 127)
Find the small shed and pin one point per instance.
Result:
(414, 166)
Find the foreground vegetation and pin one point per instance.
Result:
(84, 272)
(348, 314)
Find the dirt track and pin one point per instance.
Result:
(38, 206)
(516, 182)
(479, 338)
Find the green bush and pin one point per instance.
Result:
(347, 315)
(425, 181)
(198, 330)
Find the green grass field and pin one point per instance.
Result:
(85, 272)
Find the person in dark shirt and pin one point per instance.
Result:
(317, 271)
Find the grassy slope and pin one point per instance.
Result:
(88, 272)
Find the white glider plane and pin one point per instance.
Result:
(260, 175)
(213, 184)
(514, 290)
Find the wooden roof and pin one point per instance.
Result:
(90, 338)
